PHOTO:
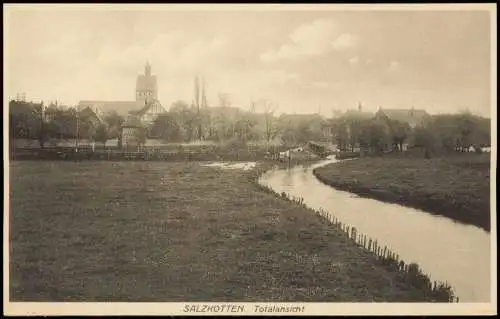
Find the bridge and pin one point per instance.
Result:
(321, 149)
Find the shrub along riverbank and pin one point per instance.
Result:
(155, 231)
(457, 187)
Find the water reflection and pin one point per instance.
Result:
(448, 251)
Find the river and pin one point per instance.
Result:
(445, 250)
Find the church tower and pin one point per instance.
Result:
(146, 86)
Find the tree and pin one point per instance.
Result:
(399, 132)
(66, 122)
(446, 133)
(38, 123)
(114, 122)
(244, 127)
(424, 139)
(373, 135)
(466, 127)
(289, 135)
(354, 131)
(186, 118)
(19, 117)
(340, 133)
(167, 128)
(140, 136)
(270, 130)
(101, 134)
(86, 127)
(178, 107)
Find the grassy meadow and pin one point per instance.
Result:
(164, 231)
(457, 187)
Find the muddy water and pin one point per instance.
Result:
(447, 251)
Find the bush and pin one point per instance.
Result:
(233, 144)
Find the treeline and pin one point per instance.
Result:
(436, 134)
(34, 121)
(182, 123)
(187, 123)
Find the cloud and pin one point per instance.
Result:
(173, 51)
(353, 60)
(344, 41)
(321, 85)
(394, 66)
(318, 37)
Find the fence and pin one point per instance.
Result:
(411, 273)
(177, 153)
(165, 152)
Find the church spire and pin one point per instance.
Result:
(203, 93)
(147, 69)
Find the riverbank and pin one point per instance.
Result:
(154, 231)
(456, 187)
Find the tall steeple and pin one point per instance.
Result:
(203, 93)
(147, 69)
(197, 91)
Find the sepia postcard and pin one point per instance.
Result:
(250, 159)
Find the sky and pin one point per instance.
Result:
(301, 61)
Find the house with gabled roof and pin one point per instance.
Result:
(149, 112)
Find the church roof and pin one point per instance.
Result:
(146, 83)
(89, 111)
(356, 113)
(121, 107)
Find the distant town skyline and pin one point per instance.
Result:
(302, 61)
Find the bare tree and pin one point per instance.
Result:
(269, 110)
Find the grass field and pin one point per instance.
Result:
(139, 231)
(457, 187)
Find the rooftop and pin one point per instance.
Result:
(121, 107)
(411, 116)
(145, 108)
